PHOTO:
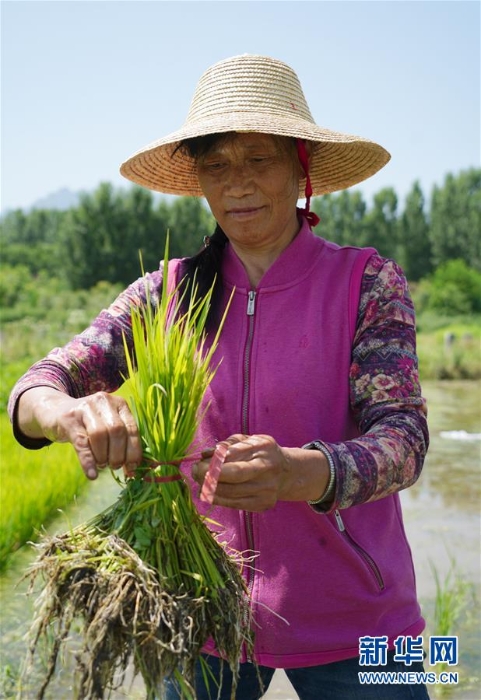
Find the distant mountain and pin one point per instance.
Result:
(62, 199)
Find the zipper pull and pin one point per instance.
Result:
(340, 524)
(251, 303)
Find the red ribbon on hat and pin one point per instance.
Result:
(312, 218)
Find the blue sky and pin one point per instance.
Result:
(87, 83)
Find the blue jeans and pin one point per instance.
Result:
(335, 681)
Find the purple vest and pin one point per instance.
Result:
(319, 582)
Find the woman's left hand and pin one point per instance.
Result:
(257, 473)
(253, 474)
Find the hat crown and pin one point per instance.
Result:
(258, 94)
(249, 84)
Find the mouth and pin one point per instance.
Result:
(243, 212)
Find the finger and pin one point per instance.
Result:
(254, 502)
(112, 432)
(244, 447)
(85, 455)
(233, 473)
(72, 427)
(238, 454)
(98, 432)
(115, 440)
(129, 470)
(200, 468)
(207, 454)
(133, 455)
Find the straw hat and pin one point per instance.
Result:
(254, 94)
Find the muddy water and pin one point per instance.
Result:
(442, 519)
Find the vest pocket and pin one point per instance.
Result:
(366, 558)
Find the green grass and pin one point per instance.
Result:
(451, 599)
(454, 597)
(33, 486)
(442, 358)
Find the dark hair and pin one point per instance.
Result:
(203, 270)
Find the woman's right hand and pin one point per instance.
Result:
(100, 427)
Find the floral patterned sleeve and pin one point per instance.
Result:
(92, 361)
(385, 394)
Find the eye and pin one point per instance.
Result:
(260, 160)
(213, 166)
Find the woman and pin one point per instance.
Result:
(317, 395)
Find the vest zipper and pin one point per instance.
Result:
(251, 306)
(368, 560)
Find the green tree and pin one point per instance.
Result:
(33, 228)
(342, 217)
(144, 231)
(456, 219)
(43, 257)
(380, 228)
(455, 288)
(189, 222)
(414, 240)
(93, 234)
(12, 281)
(13, 226)
(32, 239)
(104, 235)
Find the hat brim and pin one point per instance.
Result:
(338, 160)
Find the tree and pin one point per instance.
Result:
(105, 235)
(32, 239)
(342, 217)
(33, 228)
(145, 230)
(381, 225)
(414, 240)
(93, 234)
(13, 227)
(456, 219)
(455, 288)
(189, 222)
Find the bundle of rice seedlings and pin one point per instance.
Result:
(146, 579)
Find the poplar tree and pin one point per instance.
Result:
(381, 225)
(414, 240)
(456, 219)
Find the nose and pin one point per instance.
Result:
(239, 181)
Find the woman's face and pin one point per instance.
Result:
(251, 183)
